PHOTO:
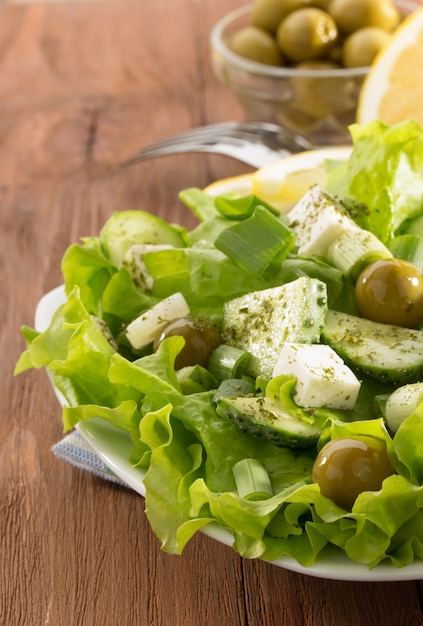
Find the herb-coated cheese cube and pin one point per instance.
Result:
(323, 379)
(260, 322)
(317, 219)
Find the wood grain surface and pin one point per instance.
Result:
(82, 86)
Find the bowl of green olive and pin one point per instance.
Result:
(301, 63)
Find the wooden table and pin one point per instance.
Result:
(82, 85)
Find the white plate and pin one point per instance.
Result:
(113, 446)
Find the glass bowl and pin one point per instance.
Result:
(318, 104)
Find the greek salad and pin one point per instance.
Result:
(267, 367)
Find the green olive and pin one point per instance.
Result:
(255, 44)
(335, 53)
(346, 467)
(321, 4)
(201, 338)
(268, 14)
(390, 291)
(351, 15)
(318, 64)
(321, 95)
(361, 47)
(306, 34)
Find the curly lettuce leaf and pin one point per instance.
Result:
(382, 182)
(192, 452)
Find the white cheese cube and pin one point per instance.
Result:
(323, 379)
(317, 219)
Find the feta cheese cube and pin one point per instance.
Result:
(323, 379)
(317, 219)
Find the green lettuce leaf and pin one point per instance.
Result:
(382, 183)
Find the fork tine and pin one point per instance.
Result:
(189, 137)
(178, 139)
(224, 134)
(281, 136)
(237, 129)
(199, 132)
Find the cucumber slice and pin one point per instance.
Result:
(383, 352)
(266, 418)
(123, 229)
(262, 321)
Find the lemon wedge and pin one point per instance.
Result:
(393, 89)
(285, 181)
(237, 185)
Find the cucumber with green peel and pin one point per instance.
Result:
(124, 229)
(266, 417)
(261, 322)
(382, 352)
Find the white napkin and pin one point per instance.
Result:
(74, 449)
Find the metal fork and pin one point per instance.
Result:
(254, 143)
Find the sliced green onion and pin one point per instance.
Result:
(258, 244)
(240, 208)
(413, 226)
(144, 328)
(169, 270)
(408, 248)
(200, 203)
(252, 480)
(195, 379)
(233, 387)
(355, 248)
(228, 362)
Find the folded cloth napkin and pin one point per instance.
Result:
(77, 451)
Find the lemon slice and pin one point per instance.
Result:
(284, 182)
(393, 89)
(236, 185)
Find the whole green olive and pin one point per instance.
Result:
(361, 47)
(351, 15)
(321, 4)
(346, 467)
(201, 338)
(306, 34)
(256, 44)
(321, 95)
(390, 291)
(268, 14)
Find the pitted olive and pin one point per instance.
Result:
(306, 34)
(256, 44)
(361, 48)
(351, 15)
